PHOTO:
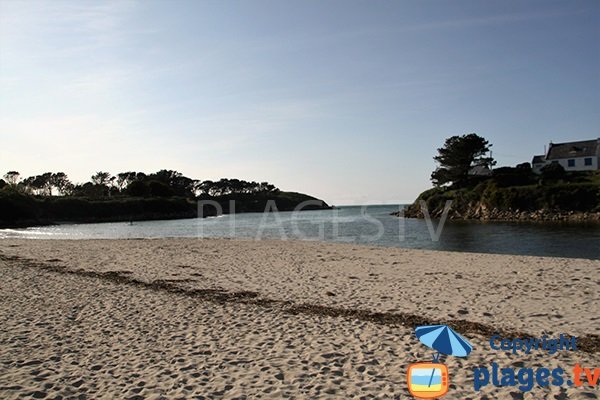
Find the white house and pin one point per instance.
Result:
(573, 156)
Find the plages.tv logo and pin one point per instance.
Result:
(428, 380)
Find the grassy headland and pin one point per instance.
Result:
(517, 194)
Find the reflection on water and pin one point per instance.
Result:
(370, 225)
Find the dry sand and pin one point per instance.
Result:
(190, 318)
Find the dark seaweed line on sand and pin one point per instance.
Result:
(588, 343)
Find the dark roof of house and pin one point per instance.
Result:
(537, 159)
(584, 148)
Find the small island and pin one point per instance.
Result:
(51, 198)
(561, 185)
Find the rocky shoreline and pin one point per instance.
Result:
(483, 213)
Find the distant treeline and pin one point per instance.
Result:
(164, 183)
(52, 197)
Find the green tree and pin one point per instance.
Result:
(197, 187)
(208, 187)
(101, 178)
(40, 184)
(180, 185)
(28, 184)
(137, 188)
(61, 182)
(103, 182)
(89, 189)
(124, 179)
(458, 156)
(12, 177)
(160, 189)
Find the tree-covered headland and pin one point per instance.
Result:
(166, 194)
(465, 175)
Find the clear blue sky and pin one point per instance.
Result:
(345, 100)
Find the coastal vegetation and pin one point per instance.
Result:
(465, 177)
(167, 194)
(460, 155)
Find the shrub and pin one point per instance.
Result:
(15, 206)
(519, 176)
(553, 172)
(137, 189)
(160, 189)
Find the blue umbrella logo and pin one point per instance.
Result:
(444, 340)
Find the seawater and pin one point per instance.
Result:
(371, 225)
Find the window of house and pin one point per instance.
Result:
(571, 163)
(587, 161)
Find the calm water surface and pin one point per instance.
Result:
(365, 225)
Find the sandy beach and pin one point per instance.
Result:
(219, 318)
